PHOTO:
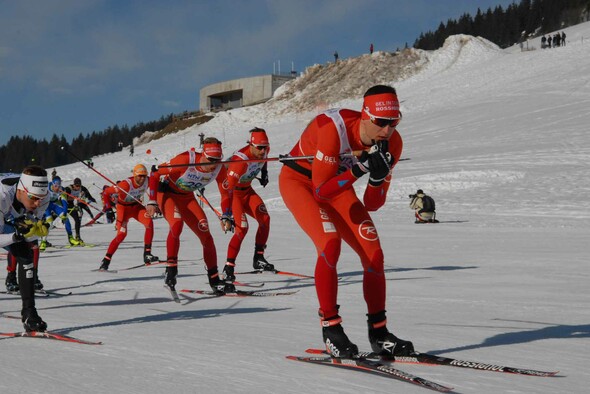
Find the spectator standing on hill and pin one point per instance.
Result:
(371, 49)
(320, 195)
(563, 38)
(557, 40)
(335, 56)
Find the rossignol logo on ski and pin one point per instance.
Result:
(487, 367)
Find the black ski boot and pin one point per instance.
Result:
(219, 287)
(259, 262)
(38, 286)
(105, 264)
(382, 341)
(336, 341)
(32, 321)
(149, 258)
(228, 271)
(11, 283)
(170, 281)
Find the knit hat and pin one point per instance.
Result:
(139, 169)
(212, 151)
(258, 137)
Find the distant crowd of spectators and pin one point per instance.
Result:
(553, 41)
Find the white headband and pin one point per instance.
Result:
(34, 185)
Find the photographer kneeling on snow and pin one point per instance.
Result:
(423, 207)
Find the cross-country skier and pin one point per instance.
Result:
(246, 202)
(129, 206)
(320, 194)
(23, 200)
(171, 190)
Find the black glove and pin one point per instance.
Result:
(263, 176)
(362, 167)
(380, 161)
(110, 215)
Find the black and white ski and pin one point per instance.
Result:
(241, 293)
(374, 367)
(109, 271)
(39, 293)
(173, 293)
(53, 293)
(48, 335)
(432, 359)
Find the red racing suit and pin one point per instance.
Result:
(245, 201)
(173, 189)
(129, 198)
(320, 195)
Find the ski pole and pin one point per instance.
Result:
(100, 174)
(80, 200)
(201, 195)
(280, 158)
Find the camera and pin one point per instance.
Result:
(412, 196)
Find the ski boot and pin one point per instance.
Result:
(38, 286)
(80, 241)
(11, 283)
(259, 262)
(170, 281)
(149, 258)
(42, 246)
(228, 272)
(383, 342)
(219, 287)
(32, 321)
(73, 241)
(104, 266)
(336, 341)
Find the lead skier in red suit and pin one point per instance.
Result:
(171, 190)
(245, 201)
(320, 195)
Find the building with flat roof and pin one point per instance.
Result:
(241, 92)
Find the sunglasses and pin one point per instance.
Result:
(261, 147)
(382, 122)
(213, 159)
(31, 196)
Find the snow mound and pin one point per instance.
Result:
(320, 86)
(458, 51)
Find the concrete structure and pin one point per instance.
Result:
(241, 92)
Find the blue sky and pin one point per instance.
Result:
(77, 66)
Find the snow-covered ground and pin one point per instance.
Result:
(498, 138)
